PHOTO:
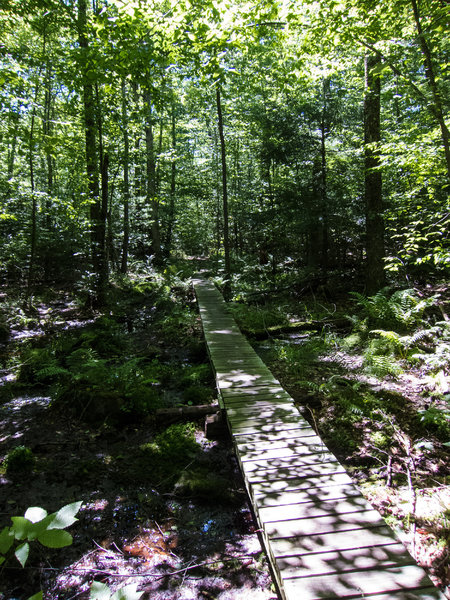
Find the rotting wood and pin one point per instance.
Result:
(323, 539)
(267, 332)
(191, 412)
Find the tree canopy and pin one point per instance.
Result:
(249, 132)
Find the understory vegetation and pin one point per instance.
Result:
(374, 382)
(370, 373)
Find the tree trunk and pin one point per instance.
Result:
(14, 116)
(126, 183)
(431, 79)
(33, 228)
(324, 129)
(92, 163)
(226, 238)
(173, 173)
(375, 276)
(151, 194)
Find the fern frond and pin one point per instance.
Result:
(51, 371)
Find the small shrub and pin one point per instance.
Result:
(257, 318)
(19, 461)
(197, 394)
(437, 420)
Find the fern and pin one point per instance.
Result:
(402, 309)
(51, 372)
(380, 359)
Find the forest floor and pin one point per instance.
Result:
(177, 538)
(409, 485)
(188, 533)
(391, 434)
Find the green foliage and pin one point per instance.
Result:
(49, 530)
(380, 357)
(19, 461)
(170, 452)
(400, 310)
(258, 318)
(37, 525)
(295, 359)
(176, 444)
(437, 420)
(202, 484)
(100, 591)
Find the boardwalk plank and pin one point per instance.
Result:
(323, 538)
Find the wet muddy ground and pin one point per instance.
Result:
(174, 545)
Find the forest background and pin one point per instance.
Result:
(299, 151)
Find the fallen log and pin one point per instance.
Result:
(188, 412)
(263, 334)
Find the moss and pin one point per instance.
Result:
(197, 394)
(19, 461)
(203, 485)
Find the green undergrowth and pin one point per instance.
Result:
(393, 332)
(122, 369)
(175, 462)
(399, 330)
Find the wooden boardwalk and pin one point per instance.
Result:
(323, 539)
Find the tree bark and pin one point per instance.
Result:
(226, 235)
(151, 191)
(324, 128)
(173, 175)
(126, 183)
(92, 162)
(375, 276)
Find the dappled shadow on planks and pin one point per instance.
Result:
(323, 538)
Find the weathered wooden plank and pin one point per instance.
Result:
(342, 561)
(346, 539)
(276, 411)
(309, 445)
(274, 389)
(323, 524)
(359, 584)
(337, 510)
(276, 499)
(302, 431)
(301, 486)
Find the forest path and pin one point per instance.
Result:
(323, 539)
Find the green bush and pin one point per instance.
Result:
(19, 462)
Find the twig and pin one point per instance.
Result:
(389, 472)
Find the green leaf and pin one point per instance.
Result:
(6, 540)
(55, 538)
(99, 591)
(65, 516)
(22, 552)
(21, 527)
(35, 514)
(127, 593)
(38, 596)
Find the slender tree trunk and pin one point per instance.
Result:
(173, 175)
(432, 83)
(47, 129)
(152, 199)
(33, 232)
(12, 150)
(126, 183)
(226, 237)
(323, 178)
(92, 163)
(375, 276)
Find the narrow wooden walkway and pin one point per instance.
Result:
(321, 536)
